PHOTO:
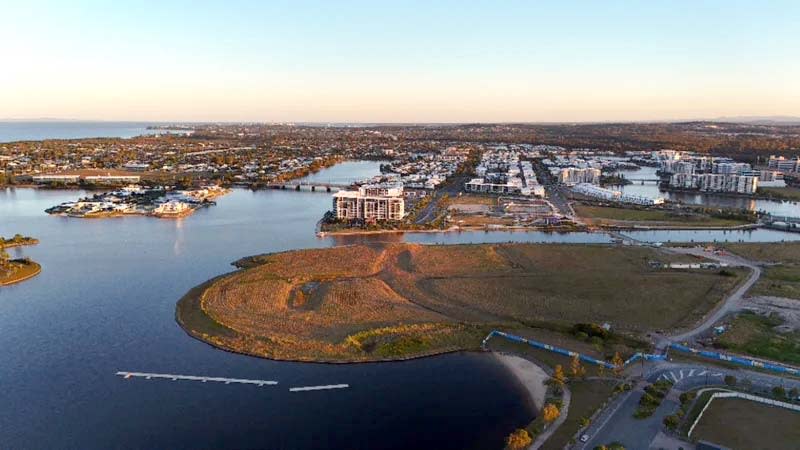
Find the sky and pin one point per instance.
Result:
(401, 61)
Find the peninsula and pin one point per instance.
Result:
(399, 301)
(16, 270)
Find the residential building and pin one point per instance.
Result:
(572, 175)
(372, 202)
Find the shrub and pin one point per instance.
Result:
(779, 392)
(687, 397)
(730, 380)
(591, 329)
(672, 421)
(518, 439)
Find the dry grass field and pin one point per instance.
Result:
(782, 280)
(360, 302)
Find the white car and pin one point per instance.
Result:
(585, 438)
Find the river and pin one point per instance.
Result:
(650, 189)
(105, 302)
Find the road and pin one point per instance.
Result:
(729, 304)
(451, 187)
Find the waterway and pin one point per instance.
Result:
(651, 189)
(105, 302)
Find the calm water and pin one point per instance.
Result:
(105, 302)
(650, 189)
(11, 131)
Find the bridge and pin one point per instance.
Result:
(312, 186)
(769, 218)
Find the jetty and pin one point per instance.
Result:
(202, 379)
(318, 388)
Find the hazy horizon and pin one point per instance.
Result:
(314, 62)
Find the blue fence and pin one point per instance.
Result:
(571, 354)
(736, 360)
(647, 357)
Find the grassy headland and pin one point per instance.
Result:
(362, 303)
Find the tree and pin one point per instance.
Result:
(550, 413)
(4, 257)
(619, 364)
(518, 439)
(558, 376)
(779, 392)
(577, 370)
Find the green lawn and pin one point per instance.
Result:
(784, 193)
(755, 335)
(608, 215)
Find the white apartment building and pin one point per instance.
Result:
(590, 190)
(370, 202)
(678, 166)
(783, 164)
(112, 179)
(742, 184)
(48, 179)
(572, 175)
(731, 168)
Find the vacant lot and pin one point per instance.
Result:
(742, 424)
(380, 302)
(757, 335)
(601, 215)
(781, 280)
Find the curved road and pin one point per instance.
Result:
(728, 305)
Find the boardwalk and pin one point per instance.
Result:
(167, 376)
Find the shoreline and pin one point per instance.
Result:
(13, 281)
(597, 229)
(531, 376)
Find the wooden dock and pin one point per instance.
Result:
(173, 377)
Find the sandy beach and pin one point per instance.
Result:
(529, 374)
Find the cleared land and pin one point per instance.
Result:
(782, 280)
(743, 424)
(401, 300)
(602, 215)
